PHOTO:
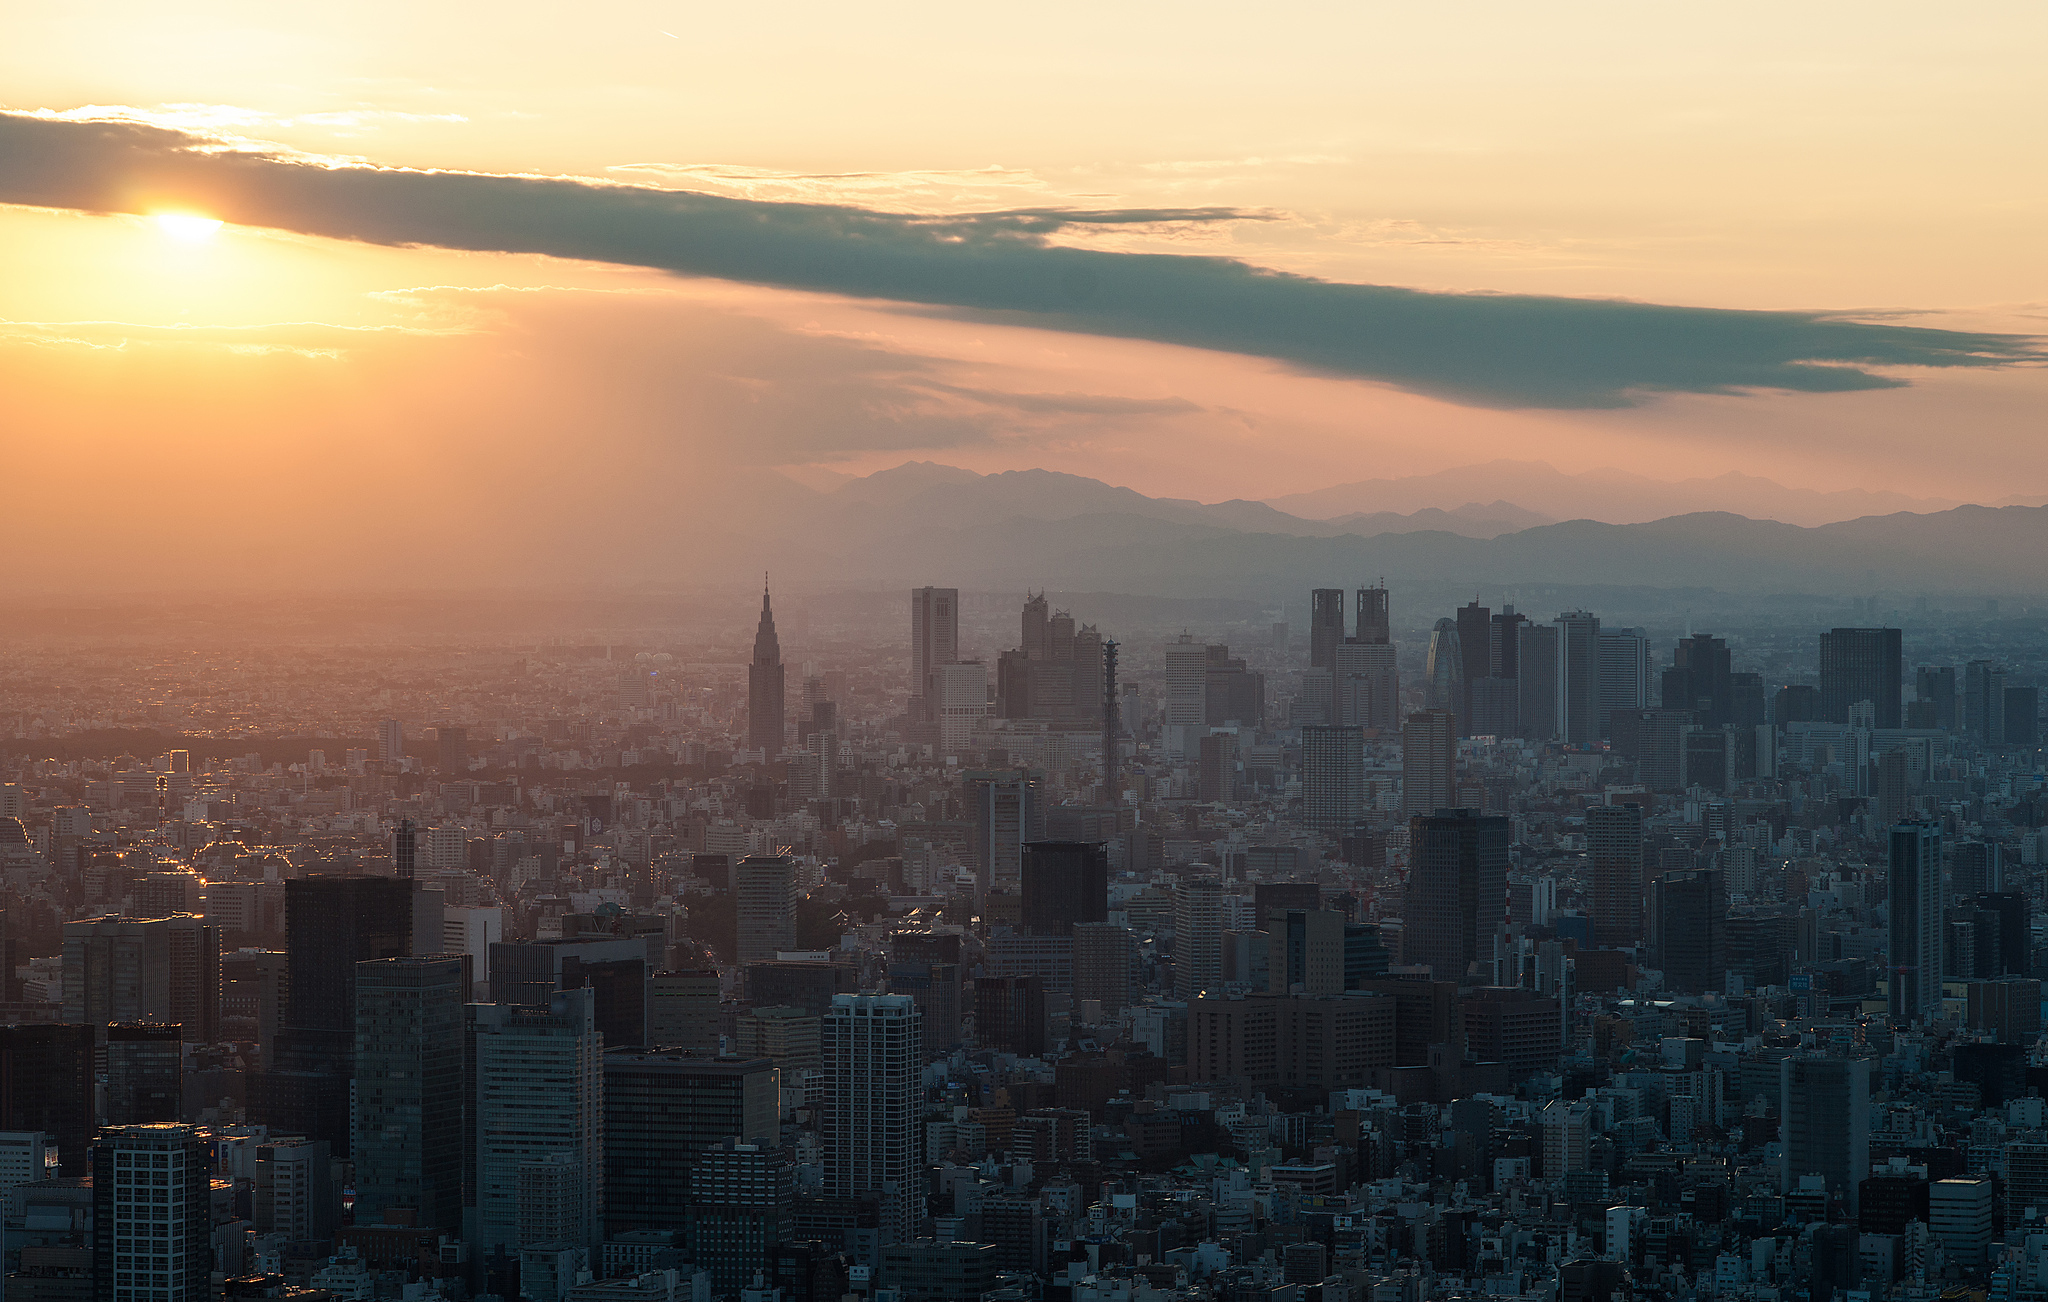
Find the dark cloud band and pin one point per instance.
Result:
(1480, 349)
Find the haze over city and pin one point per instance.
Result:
(908, 653)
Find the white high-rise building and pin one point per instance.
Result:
(958, 694)
(539, 1098)
(153, 1210)
(872, 1122)
(1198, 922)
(391, 740)
(1624, 668)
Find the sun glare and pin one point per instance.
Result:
(187, 227)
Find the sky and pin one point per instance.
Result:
(506, 272)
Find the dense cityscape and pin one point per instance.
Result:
(959, 948)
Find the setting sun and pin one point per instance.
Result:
(188, 227)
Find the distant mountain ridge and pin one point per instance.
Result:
(925, 523)
(1615, 496)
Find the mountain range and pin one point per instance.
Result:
(922, 522)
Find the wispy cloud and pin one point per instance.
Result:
(1005, 265)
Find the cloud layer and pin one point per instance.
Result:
(1480, 350)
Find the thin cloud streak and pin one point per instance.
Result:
(1504, 351)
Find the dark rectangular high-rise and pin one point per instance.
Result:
(1009, 1014)
(46, 1084)
(1614, 862)
(1065, 882)
(1913, 903)
(1457, 889)
(1861, 664)
(1325, 626)
(410, 1113)
(528, 973)
(663, 1109)
(1375, 627)
(1475, 639)
(1692, 916)
(1699, 680)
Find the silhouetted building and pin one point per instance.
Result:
(1860, 664)
(662, 1111)
(1614, 862)
(1065, 882)
(1457, 889)
(1009, 1014)
(1325, 626)
(410, 1114)
(145, 1073)
(765, 686)
(1429, 762)
(1692, 913)
(1913, 902)
(1699, 680)
(1332, 777)
(46, 1084)
(1578, 677)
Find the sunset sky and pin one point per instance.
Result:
(528, 267)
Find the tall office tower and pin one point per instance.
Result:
(405, 851)
(1503, 644)
(145, 1073)
(1065, 882)
(1105, 957)
(1699, 680)
(1429, 762)
(1614, 861)
(1704, 759)
(409, 1113)
(764, 685)
(1457, 889)
(1187, 683)
(2021, 723)
(1325, 626)
(614, 968)
(1692, 924)
(1891, 791)
(1113, 728)
(1305, 951)
(391, 740)
(152, 1204)
(1913, 900)
(1375, 627)
(1365, 686)
(46, 1084)
(1978, 867)
(871, 1126)
(1475, 639)
(1624, 655)
(539, 1095)
(1445, 671)
(935, 988)
(1824, 1123)
(1578, 677)
(1197, 936)
(934, 634)
(1860, 664)
(1036, 639)
(453, 745)
(1009, 1015)
(765, 907)
(1934, 686)
(742, 1207)
(294, 1194)
(144, 970)
(661, 1111)
(1536, 682)
(1006, 815)
(956, 698)
(685, 1009)
(1984, 702)
(1233, 694)
(1216, 772)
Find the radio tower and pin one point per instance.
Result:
(1112, 727)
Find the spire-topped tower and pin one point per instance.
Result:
(764, 684)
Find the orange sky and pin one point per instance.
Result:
(1881, 160)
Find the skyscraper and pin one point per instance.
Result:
(1984, 702)
(1935, 687)
(1429, 761)
(1913, 901)
(539, 1100)
(1065, 882)
(144, 970)
(764, 907)
(615, 968)
(1365, 686)
(742, 1201)
(1009, 1014)
(1614, 861)
(144, 1072)
(871, 1129)
(152, 1201)
(1332, 777)
(1692, 920)
(1624, 655)
(1305, 950)
(662, 1110)
(1578, 677)
(1197, 936)
(1105, 956)
(391, 740)
(1457, 889)
(452, 743)
(1536, 682)
(1006, 816)
(1445, 672)
(46, 1084)
(1699, 680)
(764, 685)
(1325, 626)
(1860, 664)
(1374, 625)
(934, 633)
(1824, 1119)
(409, 1113)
